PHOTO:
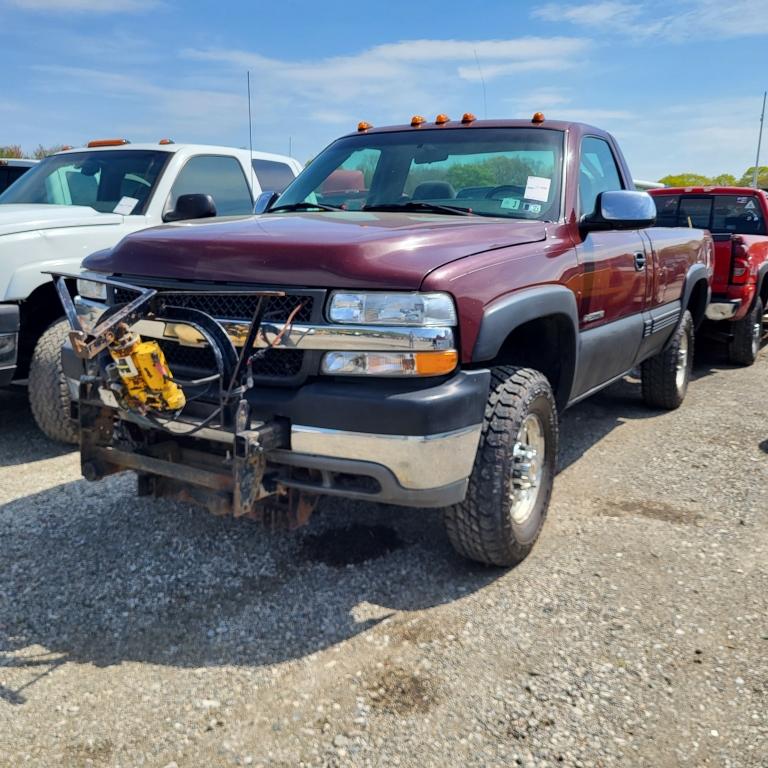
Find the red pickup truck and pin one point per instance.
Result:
(736, 217)
(401, 325)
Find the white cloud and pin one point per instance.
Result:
(691, 19)
(84, 6)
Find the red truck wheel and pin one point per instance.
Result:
(747, 333)
(511, 483)
(665, 376)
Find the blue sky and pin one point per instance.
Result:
(679, 83)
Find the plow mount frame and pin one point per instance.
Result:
(167, 460)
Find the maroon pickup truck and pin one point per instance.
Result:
(736, 217)
(401, 325)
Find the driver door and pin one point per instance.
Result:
(614, 277)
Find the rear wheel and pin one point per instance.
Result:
(747, 333)
(48, 391)
(665, 376)
(511, 483)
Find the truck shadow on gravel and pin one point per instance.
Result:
(22, 442)
(89, 573)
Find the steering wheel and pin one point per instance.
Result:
(505, 190)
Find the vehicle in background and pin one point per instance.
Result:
(402, 325)
(736, 217)
(12, 168)
(82, 200)
(647, 186)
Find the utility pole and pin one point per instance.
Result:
(759, 142)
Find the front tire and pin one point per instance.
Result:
(665, 376)
(48, 391)
(747, 333)
(511, 483)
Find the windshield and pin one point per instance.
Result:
(720, 214)
(119, 180)
(509, 172)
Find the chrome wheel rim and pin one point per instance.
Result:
(682, 363)
(528, 458)
(757, 332)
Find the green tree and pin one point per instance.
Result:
(12, 150)
(43, 152)
(762, 177)
(724, 180)
(686, 180)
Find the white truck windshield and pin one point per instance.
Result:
(110, 180)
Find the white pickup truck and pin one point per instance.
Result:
(83, 200)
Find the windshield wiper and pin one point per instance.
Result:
(304, 206)
(421, 205)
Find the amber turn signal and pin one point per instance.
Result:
(468, 117)
(442, 119)
(435, 363)
(538, 118)
(417, 120)
(363, 126)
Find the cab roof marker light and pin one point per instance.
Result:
(538, 118)
(163, 142)
(417, 120)
(107, 143)
(442, 119)
(467, 118)
(363, 126)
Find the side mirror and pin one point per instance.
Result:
(621, 209)
(264, 201)
(195, 206)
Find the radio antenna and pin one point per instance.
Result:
(482, 80)
(250, 134)
(759, 142)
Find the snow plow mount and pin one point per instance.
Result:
(230, 475)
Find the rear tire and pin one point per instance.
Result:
(744, 347)
(500, 519)
(665, 376)
(48, 391)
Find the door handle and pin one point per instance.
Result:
(640, 261)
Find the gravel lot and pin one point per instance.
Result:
(140, 633)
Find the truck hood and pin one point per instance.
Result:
(16, 218)
(344, 249)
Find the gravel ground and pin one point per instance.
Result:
(143, 633)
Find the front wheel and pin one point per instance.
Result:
(48, 391)
(511, 482)
(665, 376)
(747, 333)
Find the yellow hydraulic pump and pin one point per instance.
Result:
(145, 374)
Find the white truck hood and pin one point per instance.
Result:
(16, 218)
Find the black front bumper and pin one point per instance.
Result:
(9, 339)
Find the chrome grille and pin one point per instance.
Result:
(272, 366)
(233, 306)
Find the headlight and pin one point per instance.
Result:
(414, 309)
(90, 289)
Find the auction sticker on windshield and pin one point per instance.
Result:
(125, 206)
(537, 188)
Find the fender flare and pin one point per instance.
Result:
(504, 315)
(762, 275)
(695, 274)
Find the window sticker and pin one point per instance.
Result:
(750, 206)
(532, 207)
(741, 200)
(510, 202)
(537, 188)
(125, 206)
